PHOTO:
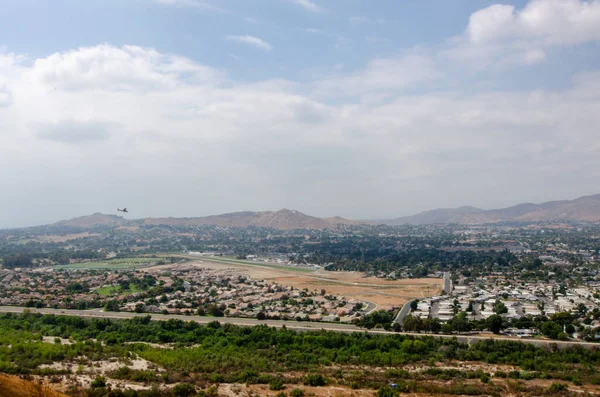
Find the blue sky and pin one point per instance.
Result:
(364, 109)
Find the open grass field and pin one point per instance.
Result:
(227, 259)
(107, 291)
(117, 264)
(383, 293)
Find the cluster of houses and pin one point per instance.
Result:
(509, 298)
(185, 289)
(239, 296)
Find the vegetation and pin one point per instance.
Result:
(258, 354)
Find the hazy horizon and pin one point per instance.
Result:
(344, 108)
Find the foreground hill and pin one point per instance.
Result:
(283, 219)
(16, 387)
(585, 208)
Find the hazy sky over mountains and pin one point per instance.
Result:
(343, 107)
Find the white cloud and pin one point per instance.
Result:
(382, 76)
(552, 22)
(309, 5)
(107, 67)
(108, 125)
(251, 40)
(502, 36)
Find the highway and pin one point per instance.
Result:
(295, 325)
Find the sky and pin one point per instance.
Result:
(357, 108)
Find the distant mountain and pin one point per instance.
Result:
(585, 208)
(96, 219)
(283, 219)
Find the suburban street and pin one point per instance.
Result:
(298, 326)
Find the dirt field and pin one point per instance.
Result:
(66, 237)
(381, 292)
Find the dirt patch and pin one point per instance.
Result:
(235, 390)
(17, 387)
(383, 293)
(66, 237)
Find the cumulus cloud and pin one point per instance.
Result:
(107, 125)
(501, 35)
(252, 41)
(107, 67)
(553, 22)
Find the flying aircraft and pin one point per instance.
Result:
(122, 210)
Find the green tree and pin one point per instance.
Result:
(500, 307)
(460, 323)
(495, 323)
(112, 306)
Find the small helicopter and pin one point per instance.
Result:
(122, 210)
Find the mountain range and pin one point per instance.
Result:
(582, 209)
(283, 219)
(585, 208)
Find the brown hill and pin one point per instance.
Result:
(16, 387)
(283, 219)
(96, 219)
(585, 208)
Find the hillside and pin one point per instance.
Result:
(96, 219)
(585, 208)
(17, 387)
(283, 219)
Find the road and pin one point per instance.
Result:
(403, 312)
(447, 283)
(295, 325)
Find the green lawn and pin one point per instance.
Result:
(106, 291)
(121, 263)
(225, 259)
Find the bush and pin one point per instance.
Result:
(297, 393)
(557, 387)
(315, 380)
(387, 391)
(184, 390)
(484, 378)
(99, 382)
(276, 384)
(514, 374)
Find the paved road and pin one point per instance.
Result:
(447, 283)
(300, 326)
(403, 312)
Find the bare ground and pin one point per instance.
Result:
(384, 293)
